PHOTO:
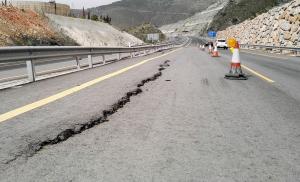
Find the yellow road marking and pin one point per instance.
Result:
(264, 55)
(42, 102)
(258, 74)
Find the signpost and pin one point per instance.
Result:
(212, 34)
(153, 37)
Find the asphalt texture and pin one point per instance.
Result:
(189, 124)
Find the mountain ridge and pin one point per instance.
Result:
(127, 13)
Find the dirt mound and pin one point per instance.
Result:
(25, 27)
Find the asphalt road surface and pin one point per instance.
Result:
(189, 124)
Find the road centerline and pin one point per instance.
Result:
(21, 110)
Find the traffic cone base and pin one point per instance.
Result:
(236, 76)
(236, 72)
(215, 54)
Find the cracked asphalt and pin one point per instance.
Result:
(190, 124)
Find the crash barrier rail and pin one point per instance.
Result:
(30, 55)
(278, 49)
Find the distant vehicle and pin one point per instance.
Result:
(221, 43)
(209, 43)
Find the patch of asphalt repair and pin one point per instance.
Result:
(33, 148)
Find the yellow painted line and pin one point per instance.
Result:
(258, 74)
(40, 103)
(264, 55)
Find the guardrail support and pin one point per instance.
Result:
(90, 61)
(119, 56)
(30, 70)
(77, 62)
(103, 59)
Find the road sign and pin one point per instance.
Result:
(153, 37)
(212, 34)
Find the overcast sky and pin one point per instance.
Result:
(78, 4)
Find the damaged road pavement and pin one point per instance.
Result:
(22, 137)
(162, 121)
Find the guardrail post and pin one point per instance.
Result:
(30, 70)
(90, 61)
(103, 59)
(77, 62)
(119, 56)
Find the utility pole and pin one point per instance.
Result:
(83, 13)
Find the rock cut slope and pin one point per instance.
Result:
(238, 11)
(197, 24)
(25, 27)
(279, 27)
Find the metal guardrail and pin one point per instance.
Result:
(32, 54)
(294, 50)
(249, 46)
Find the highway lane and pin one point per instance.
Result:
(284, 70)
(20, 134)
(188, 125)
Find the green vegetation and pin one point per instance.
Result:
(144, 29)
(105, 19)
(128, 13)
(84, 15)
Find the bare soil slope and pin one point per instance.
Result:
(24, 27)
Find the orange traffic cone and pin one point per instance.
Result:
(215, 53)
(236, 72)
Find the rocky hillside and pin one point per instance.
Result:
(27, 28)
(197, 24)
(280, 27)
(239, 10)
(127, 13)
(92, 33)
(20, 27)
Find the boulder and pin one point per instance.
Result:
(287, 35)
(294, 37)
(285, 25)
